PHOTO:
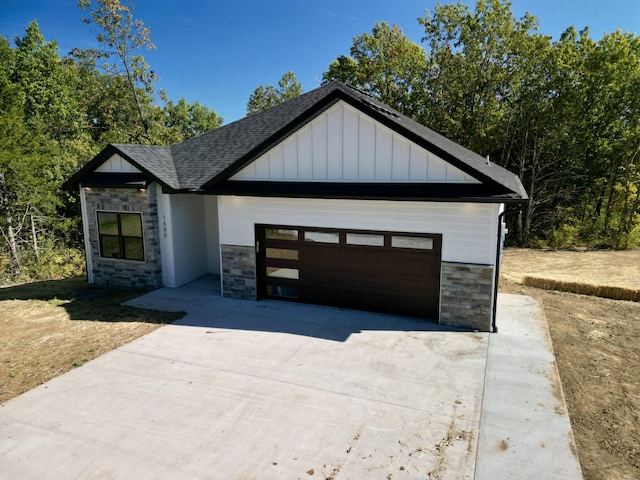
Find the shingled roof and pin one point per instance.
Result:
(205, 162)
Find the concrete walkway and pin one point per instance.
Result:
(275, 390)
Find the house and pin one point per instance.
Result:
(331, 198)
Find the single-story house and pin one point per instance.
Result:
(331, 198)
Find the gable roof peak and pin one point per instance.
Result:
(206, 160)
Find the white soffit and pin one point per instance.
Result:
(345, 145)
(117, 164)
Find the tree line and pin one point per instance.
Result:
(58, 111)
(561, 114)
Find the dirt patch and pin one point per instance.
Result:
(598, 355)
(49, 328)
(603, 268)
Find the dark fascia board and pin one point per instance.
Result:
(115, 180)
(368, 107)
(433, 192)
(380, 114)
(105, 154)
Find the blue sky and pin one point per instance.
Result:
(219, 51)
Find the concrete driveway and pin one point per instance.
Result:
(274, 390)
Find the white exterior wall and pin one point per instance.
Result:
(213, 238)
(345, 145)
(469, 230)
(166, 239)
(183, 238)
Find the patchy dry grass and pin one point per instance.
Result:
(598, 268)
(596, 346)
(53, 326)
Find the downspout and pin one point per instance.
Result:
(494, 327)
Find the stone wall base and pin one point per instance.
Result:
(466, 296)
(238, 272)
(119, 272)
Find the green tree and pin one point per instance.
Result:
(48, 84)
(120, 36)
(25, 163)
(182, 120)
(473, 68)
(269, 96)
(120, 97)
(387, 65)
(608, 119)
(563, 115)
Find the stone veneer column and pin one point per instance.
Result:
(238, 272)
(120, 272)
(466, 296)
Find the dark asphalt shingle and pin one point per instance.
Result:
(208, 159)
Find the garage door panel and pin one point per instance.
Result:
(379, 271)
(368, 270)
(363, 300)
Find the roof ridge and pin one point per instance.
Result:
(211, 157)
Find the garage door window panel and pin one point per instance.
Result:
(322, 237)
(365, 239)
(419, 243)
(282, 253)
(282, 272)
(281, 234)
(284, 291)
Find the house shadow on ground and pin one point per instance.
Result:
(83, 301)
(199, 304)
(206, 308)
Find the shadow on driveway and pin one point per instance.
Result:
(206, 308)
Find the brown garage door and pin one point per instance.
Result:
(370, 270)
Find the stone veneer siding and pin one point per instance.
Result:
(466, 296)
(238, 272)
(119, 272)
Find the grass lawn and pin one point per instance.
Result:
(53, 326)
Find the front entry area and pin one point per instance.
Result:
(389, 272)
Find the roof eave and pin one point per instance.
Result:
(104, 155)
(383, 115)
(441, 192)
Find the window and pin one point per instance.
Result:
(281, 234)
(121, 235)
(322, 237)
(280, 272)
(420, 243)
(282, 253)
(368, 239)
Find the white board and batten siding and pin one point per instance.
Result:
(117, 164)
(469, 230)
(183, 238)
(345, 145)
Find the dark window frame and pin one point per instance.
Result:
(121, 238)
